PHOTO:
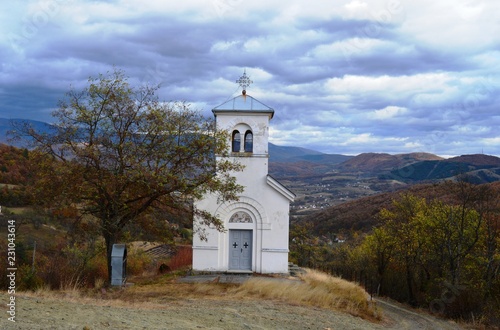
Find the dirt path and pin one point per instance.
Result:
(402, 318)
(45, 313)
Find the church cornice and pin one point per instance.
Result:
(280, 188)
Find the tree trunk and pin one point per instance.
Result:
(110, 240)
(409, 282)
(381, 268)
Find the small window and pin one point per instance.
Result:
(248, 141)
(236, 141)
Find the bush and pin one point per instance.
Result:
(27, 279)
(63, 266)
(138, 262)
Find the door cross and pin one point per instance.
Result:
(245, 245)
(235, 245)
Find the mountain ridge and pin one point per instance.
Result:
(377, 162)
(291, 161)
(6, 126)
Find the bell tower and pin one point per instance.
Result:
(247, 121)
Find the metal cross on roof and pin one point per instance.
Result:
(244, 81)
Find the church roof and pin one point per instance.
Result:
(243, 103)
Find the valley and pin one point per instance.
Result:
(320, 192)
(321, 181)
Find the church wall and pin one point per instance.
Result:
(206, 252)
(270, 234)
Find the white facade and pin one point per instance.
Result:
(256, 226)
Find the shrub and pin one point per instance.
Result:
(138, 262)
(66, 266)
(27, 279)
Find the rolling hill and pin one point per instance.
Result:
(320, 184)
(478, 168)
(380, 162)
(7, 125)
(285, 154)
(289, 154)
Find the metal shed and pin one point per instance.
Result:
(118, 264)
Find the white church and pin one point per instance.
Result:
(257, 225)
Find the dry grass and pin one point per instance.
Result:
(313, 289)
(70, 293)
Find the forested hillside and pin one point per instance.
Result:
(13, 165)
(14, 175)
(416, 245)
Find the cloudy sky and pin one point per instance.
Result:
(345, 76)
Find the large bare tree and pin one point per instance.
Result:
(115, 152)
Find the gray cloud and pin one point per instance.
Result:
(349, 77)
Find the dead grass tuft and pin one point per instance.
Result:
(314, 289)
(70, 293)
